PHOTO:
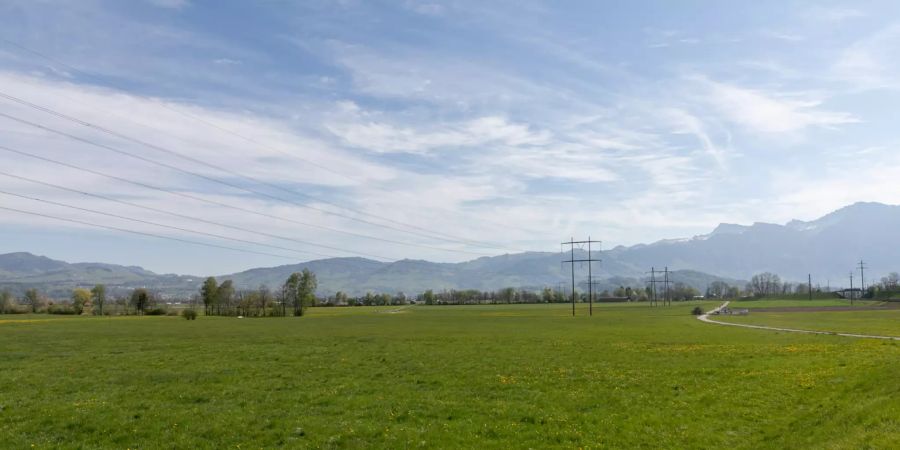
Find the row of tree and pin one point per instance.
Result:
(768, 284)
(81, 301)
(297, 293)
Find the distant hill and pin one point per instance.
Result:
(531, 270)
(20, 271)
(827, 247)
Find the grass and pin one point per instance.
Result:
(441, 377)
(884, 323)
(777, 302)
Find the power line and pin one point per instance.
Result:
(183, 113)
(665, 281)
(226, 205)
(589, 260)
(185, 157)
(225, 130)
(216, 180)
(184, 216)
(143, 233)
(172, 227)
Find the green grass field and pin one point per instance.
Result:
(775, 303)
(519, 376)
(884, 323)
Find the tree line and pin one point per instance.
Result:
(82, 301)
(297, 293)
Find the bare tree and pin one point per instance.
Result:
(764, 284)
(34, 300)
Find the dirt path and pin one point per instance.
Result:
(705, 318)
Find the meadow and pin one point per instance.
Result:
(884, 323)
(511, 376)
(781, 303)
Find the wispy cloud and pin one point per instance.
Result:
(172, 4)
(782, 36)
(832, 13)
(772, 112)
(871, 62)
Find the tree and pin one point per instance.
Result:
(34, 300)
(681, 291)
(208, 294)
(307, 290)
(6, 302)
(717, 289)
(140, 299)
(547, 295)
(428, 297)
(507, 295)
(247, 300)
(764, 284)
(733, 292)
(224, 296)
(80, 298)
(290, 289)
(891, 281)
(340, 298)
(264, 299)
(98, 294)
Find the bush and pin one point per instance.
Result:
(15, 310)
(156, 312)
(697, 311)
(61, 309)
(189, 314)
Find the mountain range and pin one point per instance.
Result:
(828, 248)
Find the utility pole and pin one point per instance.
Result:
(572, 259)
(862, 275)
(851, 288)
(668, 301)
(590, 282)
(589, 260)
(652, 292)
(809, 286)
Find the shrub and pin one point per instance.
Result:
(189, 314)
(61, 309)
(697, 311)
(16, 310)
(156, 312)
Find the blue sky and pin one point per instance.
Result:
(500, 126)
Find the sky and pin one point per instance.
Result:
(252, 134)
